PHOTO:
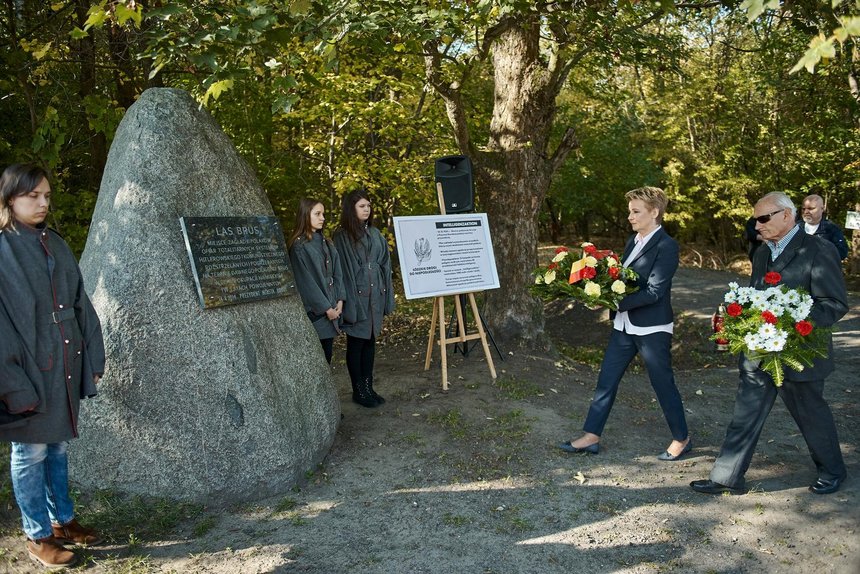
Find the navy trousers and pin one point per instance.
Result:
(655, 350)
(804, 401)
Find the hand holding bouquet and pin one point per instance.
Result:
(770, 325)
(596, 279)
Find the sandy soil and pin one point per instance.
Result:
(471, 481)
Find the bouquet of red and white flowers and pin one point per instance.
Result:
(596, 279)
(770, 325)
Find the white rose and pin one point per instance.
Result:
(592, 289)
(549, 276)
(538, 280)
(586, 244)
(590, 261)
(611, 262)
(618, 287)
(559, 256)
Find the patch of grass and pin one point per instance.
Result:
(517, 389)
(286, 504)
(455, 519)
(452, 421)
(511, 426)
(145, 518)
(591, 356)
(204, 526)
(125, 565)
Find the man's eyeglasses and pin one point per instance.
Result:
(766, 217)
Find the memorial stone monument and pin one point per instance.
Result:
(221, 404)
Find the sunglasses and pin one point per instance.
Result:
(766, 217)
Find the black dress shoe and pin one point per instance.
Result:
(824, 486)
(711, 487)
(669, 456)
(590, 449)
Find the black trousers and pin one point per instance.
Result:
(328, 348)
(804, 401)
(359, 357)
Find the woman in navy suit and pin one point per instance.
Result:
(643, 324)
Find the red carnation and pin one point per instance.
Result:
(769, 317)
(589, 272)
(772, 278)
(561, 250)
(734, 310)
(803, 327)
(614, 272)
(552, 266)
(589, 249)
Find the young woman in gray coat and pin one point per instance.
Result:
(316, 268)
(51, 356)
(369, 294)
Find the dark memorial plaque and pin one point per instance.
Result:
(237, 259)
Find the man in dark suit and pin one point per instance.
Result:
(814, 223)
(810, 263)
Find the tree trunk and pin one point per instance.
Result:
(514, 175)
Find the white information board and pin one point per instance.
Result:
(852, 220)
(445, 254)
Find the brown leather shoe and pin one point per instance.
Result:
(73, 533)
(50, 553)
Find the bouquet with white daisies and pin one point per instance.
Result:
(771, 325)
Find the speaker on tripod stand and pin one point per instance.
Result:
(454, 173)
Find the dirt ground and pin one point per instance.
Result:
(470, 481)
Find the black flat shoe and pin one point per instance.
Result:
(590, 449)
(823, 486)
(669, 456)
(711, 487)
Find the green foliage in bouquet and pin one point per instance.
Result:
(770, 325)
(596, 279)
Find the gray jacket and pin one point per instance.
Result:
(367, 277)
(50, 338)
(318, 275)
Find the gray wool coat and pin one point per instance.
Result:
(319, 280)
(367, 278)
(50, 337)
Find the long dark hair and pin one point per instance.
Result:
(349, 221)
(17, 179)
(303, 220)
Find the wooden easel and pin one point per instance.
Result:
(439, 317)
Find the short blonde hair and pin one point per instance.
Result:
(653, 197)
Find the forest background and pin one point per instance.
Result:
(562, 106)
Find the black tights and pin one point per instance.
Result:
(359, 357)
(327, 345)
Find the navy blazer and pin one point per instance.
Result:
(812, 264)
(656, 265)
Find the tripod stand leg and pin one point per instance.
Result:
(483, 335)
(431, 335)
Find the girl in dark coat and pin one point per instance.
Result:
(369, 294)
(51, 356)
(316, 268)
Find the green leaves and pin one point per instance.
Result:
(820, 48)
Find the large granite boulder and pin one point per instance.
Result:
(226, 404)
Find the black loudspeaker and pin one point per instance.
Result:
(454, 172)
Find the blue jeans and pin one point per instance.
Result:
(40, 478)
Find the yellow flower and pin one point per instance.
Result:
(549, 276)
(590, 261)
(538, 280)
(592, 289)
(618, 287)
(561, 255)
(611, 262)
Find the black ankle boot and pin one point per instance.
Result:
(361, 395)
(377, 397)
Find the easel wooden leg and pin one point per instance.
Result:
(483, 335)
(431, 336)
(443, 343)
